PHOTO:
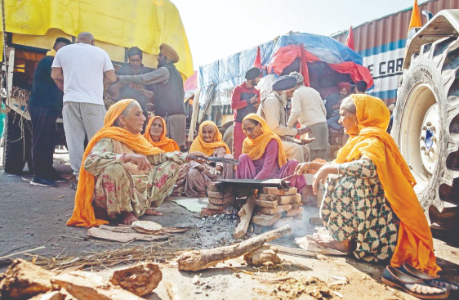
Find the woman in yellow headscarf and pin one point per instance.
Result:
(155, 133)
(263, 155)
(209, 142)
(370, 207)
(122, 174)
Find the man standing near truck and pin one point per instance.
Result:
(45, 105)
(244, 100)
(80, 70)
(169, 93)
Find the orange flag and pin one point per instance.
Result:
(350, 39)
(415, 16)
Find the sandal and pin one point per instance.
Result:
(453, 288)
(397, 279)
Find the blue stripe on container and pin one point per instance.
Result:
(384, 94)
(383, 48)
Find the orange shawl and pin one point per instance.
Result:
(414, 245)
(255, 148)
(208, 148)
(166, 144)
(83, 212)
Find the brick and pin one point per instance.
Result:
(296, 205)
(225, 201)
(279, 192)
(294, 212)
(266, 220)
(268, 204)
(215, 207)
(273, 211)
(220, 195)
(268, 197)
(289, 199)
(211, 212)
(216, 186)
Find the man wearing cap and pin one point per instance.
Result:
(309, 110)
(273, 110)
(169, 93)
(244, 100)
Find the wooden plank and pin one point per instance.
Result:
(294, 212)
(268, 197)
(220, 195)
(266, 220)
(279, 192)
(264, 203)
(273, 211)
(289, 199)
(245, 215)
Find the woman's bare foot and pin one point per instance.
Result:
(344, 246)
(153, 212)
(128, 218)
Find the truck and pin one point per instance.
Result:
(30, 29)
(323, 61)
(426, 117)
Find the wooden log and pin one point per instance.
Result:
(277, 210)
(268, 197)
(289, 199)
(296, 205)
(279, 192)
(262, 256)
(223, 201)
(202, 259)
(91, 286)
(264, 203)
(294, 212)
(140, 280)
(25, 280)
(266, 220)
(245, 215)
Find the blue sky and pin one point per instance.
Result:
(218, 28)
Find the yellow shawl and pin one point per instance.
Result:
(166, 144)
(208, 148)
(255, 148)
(83, 212)
(414, 245)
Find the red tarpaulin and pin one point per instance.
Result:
(350, 39)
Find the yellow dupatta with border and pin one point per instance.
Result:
(83, 212)
(255, 148)
(208, 148)
(166, 144)
(414, 244)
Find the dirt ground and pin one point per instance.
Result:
(32, 217)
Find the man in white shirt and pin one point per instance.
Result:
(309, 110)
(81, 70)
(273, 110)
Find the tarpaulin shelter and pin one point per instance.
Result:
(115, 24)
(320, 53)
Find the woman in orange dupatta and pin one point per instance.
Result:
(263, 155)
(122, 174)
(155, 133)
(370, 207)
(209, 142)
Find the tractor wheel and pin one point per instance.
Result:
(228, 137)
(426, 129)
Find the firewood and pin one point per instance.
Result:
(266, 220)
(55, 295)
(289, 199)
(294, 212)
(274, 211)
(279, 192)
(267, 204)
(202, 259)
(263, 256)
(140, 280)
(223, 201)
(245, 215)
(268, 197)
(90, 286)
(220, 195)
(25, 280)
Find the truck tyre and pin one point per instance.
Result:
(426, 129)
(18, 146)
(228, 137)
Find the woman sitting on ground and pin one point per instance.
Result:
(122, 175)
(155, 133)
(264, 156)
(208, 143)
(370, 208)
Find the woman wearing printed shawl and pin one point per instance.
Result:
(370, 207)
(122, 175)
(209, 142)
(263, 154)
